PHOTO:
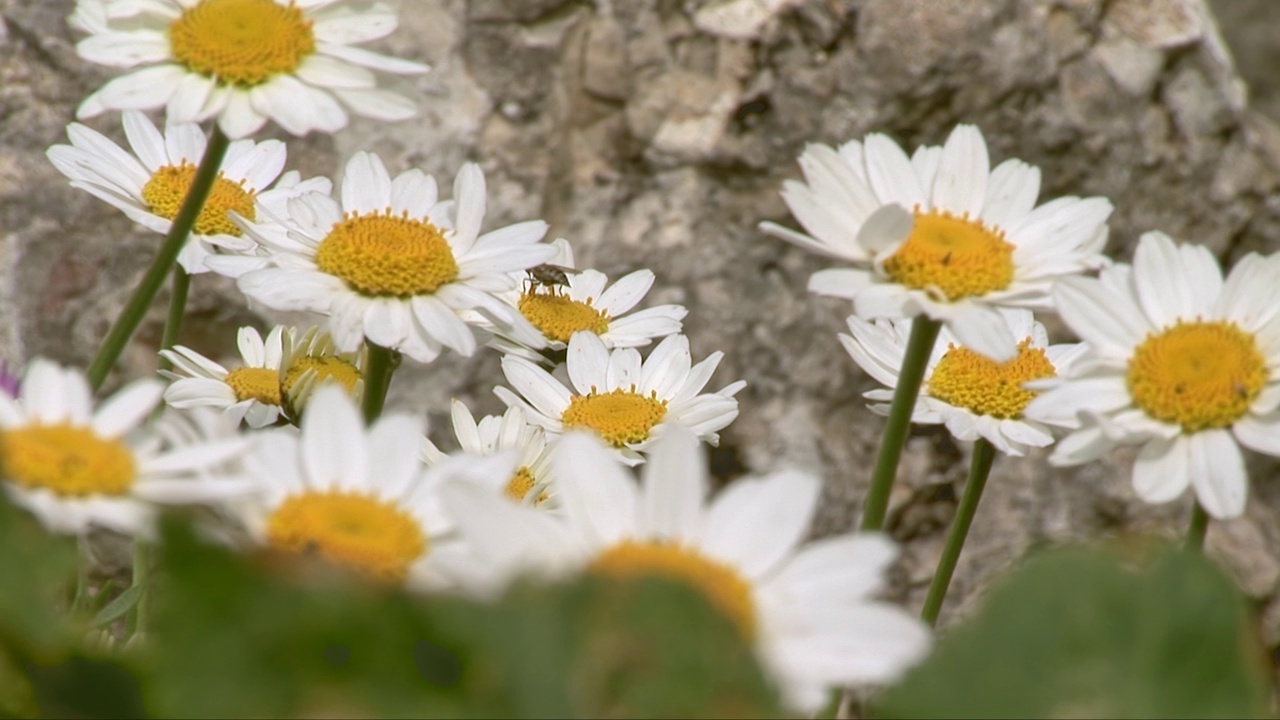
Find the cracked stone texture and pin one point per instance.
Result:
(654, 133)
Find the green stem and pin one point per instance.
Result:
(377, 379)
(924, 332)
(1199, 525)
(979, 468)
(178, 290)
(133, 313)
(137, 621)
(81, 597)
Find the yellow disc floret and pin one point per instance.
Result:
(350, 529)
(326, 367)
(956, 257)
(520, 484)
(261, 384)
(1198, 375)
(965, 379)
(168, 186)
(559, 316)
(719, 583)
(70, 461)
(621, 417)
(243, 43)
(386, 255)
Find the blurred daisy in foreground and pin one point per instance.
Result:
(509, 433)
(939, 233)
(356, 497)
(806, 608)
(973, 395)
(624, 401)
(243, 61)
(556, 300)
(74, 466)
(393, 263)
(275, 377)
(1181, 362)
(150, 184)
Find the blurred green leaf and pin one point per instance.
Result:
(85, 687)
(36, 570)
(1076, 633)
(117, 608)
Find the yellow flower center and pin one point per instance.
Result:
(167, 188)
(955, 256)
(1197, 374)
(719, 583)
(521, 484)
(241, 42)
(559, 316)
(326, 367)
(621, 417)
(382, 254)
(965, 379)
(70, 461)
(349, 529)
(261, 384)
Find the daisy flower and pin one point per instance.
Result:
(548, 314)
(973, 395)
(149, 184)
(1180, 362)
(492, 435)
(74, 466)
(806, 608)
(359, 498)
(391, 262)
(273, 380)
(939, 233)
(624, 401)
(243, 61)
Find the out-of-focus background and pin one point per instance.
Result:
(655, 133)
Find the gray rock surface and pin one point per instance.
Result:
(657, 134)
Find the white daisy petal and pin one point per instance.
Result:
(754, 525)
(1217, 472)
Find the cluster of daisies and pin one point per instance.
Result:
(287, 443)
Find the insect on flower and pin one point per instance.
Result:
(547, 275)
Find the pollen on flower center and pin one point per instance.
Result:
(719, 583)
(70, 461)
(385, 255)
(168, 186)
(325, 368)
(241, 42)
(621, 417)
(957, 257)
(520, 484)
(1197, 374)
(261, 384)
(965, 379)
(559, 316)
(349, 529)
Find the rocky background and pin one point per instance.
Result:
(656, 133)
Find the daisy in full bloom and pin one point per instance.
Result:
(548, 314)
(939, 233)
(808, 609)
(74, 466)
(1180, 362)
(274, 378)
(149, 184)
(393, 263)
(359, 498)
(243, 61)
(973, 395)
(624, 401)
(493, 435)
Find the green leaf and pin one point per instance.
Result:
(85, 687)
(1077, 633)
(36, 569)
(117, 608)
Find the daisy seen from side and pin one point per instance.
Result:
(971, 394)
(75, 466)
(626, 402)
(392, 263)
(357, 497)
(807, 609)
(244, 62)
(939, 233)
(1182, 363)
(509, 433)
